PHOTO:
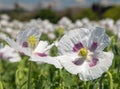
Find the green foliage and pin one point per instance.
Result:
(47, 14)
(87, 13)
(113, 13)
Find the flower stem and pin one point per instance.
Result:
(84, 84)
(111, 80)
(61, 79)
(29, 75)
(101, 79)
(88, 85)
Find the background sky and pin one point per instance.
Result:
(58, 4)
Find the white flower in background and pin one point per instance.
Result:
(107, 23)
(85, 21)
(82, 52)
(2, 35)
(15, 24)
(36, 23)
(8, 30)
(47, 26)
(51, 36)
(33, 23)
(4, 23)
(118, 33)
(28, 43)
(78, 23)
(94, 24)
(66, 23)
(4, 17)
(118, 22)
(9, 54)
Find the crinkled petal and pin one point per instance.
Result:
(90, 73)
(99, 37)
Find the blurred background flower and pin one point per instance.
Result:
(73, 9)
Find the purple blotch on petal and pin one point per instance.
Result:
(21, 53)
(41, 54)
(25, 44)
(93, 62)
(1, 55)
(78, 61)
(77, 47)
(93, 46)
(10, 57)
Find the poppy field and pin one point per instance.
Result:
(38, 54)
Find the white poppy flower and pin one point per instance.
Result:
(28, 43)
(65, 21)
(82, 52)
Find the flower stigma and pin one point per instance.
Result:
(83, 52)
(32, 40)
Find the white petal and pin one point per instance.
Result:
(21, 37)
(17, 47)
(50, 46)
(98, 35)
(67, 62)
(48, 59)
(6, 49)
(105, 61)
(15, 58)
(42, 45)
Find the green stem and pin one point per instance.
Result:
(111, 80)
(1, 85)
(85, 85)
(29, 75)
(61, 79)
(101, 79)
(88, 85)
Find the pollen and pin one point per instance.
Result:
(32, 40)
(83, 52)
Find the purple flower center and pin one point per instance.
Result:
(77, 47)
(93, 46)
(41, 54)
(25, 44)
(93, 62)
